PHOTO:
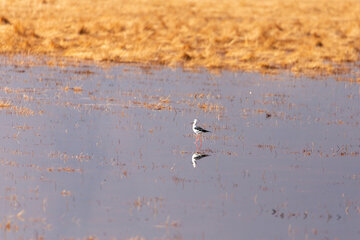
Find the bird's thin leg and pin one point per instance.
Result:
(197, 148)
(197, 139)
(200, 141)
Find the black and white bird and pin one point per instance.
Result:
(197, 156)
(198, 131)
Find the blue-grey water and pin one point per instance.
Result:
(106, 152)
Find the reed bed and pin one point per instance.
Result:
(305, 37)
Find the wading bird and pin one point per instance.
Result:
(198, 131)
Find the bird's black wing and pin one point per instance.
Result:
(201, 156)
(201, 129)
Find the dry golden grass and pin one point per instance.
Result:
(309, 37)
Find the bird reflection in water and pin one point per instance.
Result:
(197, 156)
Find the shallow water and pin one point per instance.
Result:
(107, 152)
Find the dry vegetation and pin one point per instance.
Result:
(12, 109)
(309, 37)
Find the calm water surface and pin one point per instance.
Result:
(107, 152)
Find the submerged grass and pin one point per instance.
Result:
(5, 104)
(15, 109)
(308, 37)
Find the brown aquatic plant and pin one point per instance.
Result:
(77, 89)
(4, 104)
(12, 109)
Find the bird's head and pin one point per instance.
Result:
(195, 121)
